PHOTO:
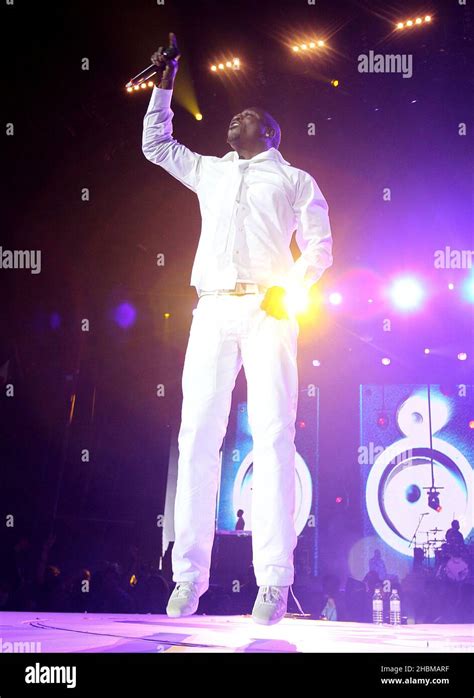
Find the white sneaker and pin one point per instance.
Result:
(184, 600)
(270, 605)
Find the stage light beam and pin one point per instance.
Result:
(335, 298)
(407, 293)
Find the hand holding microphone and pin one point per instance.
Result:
(166, 60)
(164, 63)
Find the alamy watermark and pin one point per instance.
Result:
(386, 63)
(17, 647)
(367, 455)
(21, 259)
(450, 258)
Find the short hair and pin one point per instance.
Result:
(268, 120)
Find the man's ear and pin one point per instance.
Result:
(269, 132)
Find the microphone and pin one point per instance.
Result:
(168, 53)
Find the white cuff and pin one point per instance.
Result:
(160, 97)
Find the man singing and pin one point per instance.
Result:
(251, 201)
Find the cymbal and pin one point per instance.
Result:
(436, 530)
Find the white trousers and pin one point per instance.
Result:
(226, 332)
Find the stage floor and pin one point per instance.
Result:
(76, 632)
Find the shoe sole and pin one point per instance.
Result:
(179, 614)
(170, 614)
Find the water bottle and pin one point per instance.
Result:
(394, 608)
(377, 607)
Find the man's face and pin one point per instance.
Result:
(247, 128)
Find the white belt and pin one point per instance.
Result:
(241, 288)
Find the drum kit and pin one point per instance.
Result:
(455, 562)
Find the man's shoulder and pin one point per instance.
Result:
(297, 173)
(216, 160)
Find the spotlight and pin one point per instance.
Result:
(406, 293)
(166, 315)
(468, 289)
(433, 500)
(312, 44)
(427, 351)
(198, 117)
(229, 64)
(316, 362)
(296, 49)
(382, 421)
(400, 25)
(150, 83)
(386, 361)
(129, 89)
(213, 68)
(409, 23)
(428, 18)
(320, 43)
(136, 87)
(236, 61)
(335, 298)
(125, 315)
(335, 83)
(418, 20)
(221, 66)
(451, 287)
(338, 500)
(471, 424)
(143, 85)
(296, 299)
(462, 356)
(304, 47)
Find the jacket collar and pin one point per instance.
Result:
(270, 154)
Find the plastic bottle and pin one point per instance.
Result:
(377, 607)
(394, 608)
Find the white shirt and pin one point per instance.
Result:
(249, 208)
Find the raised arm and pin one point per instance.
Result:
(158, 144)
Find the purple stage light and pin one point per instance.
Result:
(125, 315)
(386, 361)
(468, 289)
(54, 321)
(462, 356)
(335, 298)
(407, 293)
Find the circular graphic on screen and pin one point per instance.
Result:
(242, 494)
(396, 490)
(396, 493)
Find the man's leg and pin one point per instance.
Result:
(269, 352)
(211, 365)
